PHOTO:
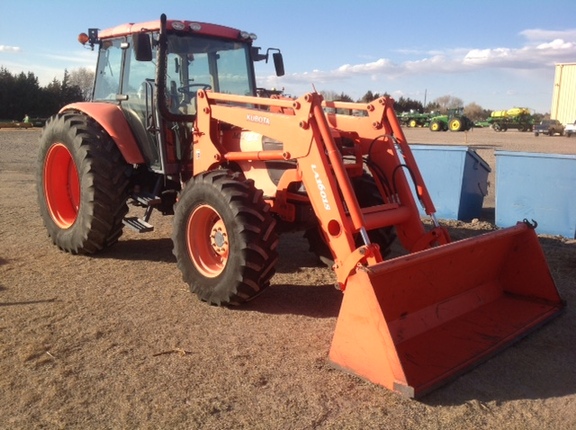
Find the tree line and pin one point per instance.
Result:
(406, 104)
(441, 104)
(21, 94)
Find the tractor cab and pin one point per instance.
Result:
(154, 71)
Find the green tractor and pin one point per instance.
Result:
(454, 120)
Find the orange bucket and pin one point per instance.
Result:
(415, 322)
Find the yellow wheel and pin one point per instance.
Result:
(412, 123)
(455, 124)
(435, 126)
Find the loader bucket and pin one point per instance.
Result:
(413, 323)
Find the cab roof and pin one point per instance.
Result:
(192, 27)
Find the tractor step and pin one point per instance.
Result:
(147, 199)
(138, 224)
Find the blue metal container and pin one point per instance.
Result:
(456, 178)
(535, 186)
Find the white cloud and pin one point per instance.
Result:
(556, 44)
(542, 50)
(5, 48)
(84, 57)
(538, 35)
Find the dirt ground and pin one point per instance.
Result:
(117, 341)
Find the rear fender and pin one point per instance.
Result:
(111, 119)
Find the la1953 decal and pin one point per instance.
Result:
(321, 188)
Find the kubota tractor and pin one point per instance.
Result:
(175, 126)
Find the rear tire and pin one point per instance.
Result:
(224, 238)
(455, 124)
(82, 184)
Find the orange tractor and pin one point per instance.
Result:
(175, 125)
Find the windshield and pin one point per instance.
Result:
(220, 64)
(193, 62)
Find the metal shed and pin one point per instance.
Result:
(564, 93)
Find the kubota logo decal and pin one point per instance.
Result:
(259, 119)
(321, 187)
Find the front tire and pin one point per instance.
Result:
(224, 238)
(435, 126)
(82, 184)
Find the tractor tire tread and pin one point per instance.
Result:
(104, 182)
(248, 272)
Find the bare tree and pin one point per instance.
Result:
(329, 95)
(448, 102)
(84, 79)
(475, 112)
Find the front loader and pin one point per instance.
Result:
(175, 127)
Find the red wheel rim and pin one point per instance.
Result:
(61, 186)
(208, 242)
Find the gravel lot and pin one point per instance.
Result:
(117, 341)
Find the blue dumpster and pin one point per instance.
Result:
(456, 178)
(535, 186)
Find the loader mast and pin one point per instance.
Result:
(305, 131)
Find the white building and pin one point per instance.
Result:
(564, 93)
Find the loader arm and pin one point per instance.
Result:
(306, 138)
(385, 144)
(306, 133)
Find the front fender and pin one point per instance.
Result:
(111, 118)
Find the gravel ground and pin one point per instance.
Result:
(117, 341)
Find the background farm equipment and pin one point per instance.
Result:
(15, 124)
(515, 118)
(453, 120)
(171, 130)
(415, 119)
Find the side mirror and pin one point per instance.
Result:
(142, 47)
(278, 63)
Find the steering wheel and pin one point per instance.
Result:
(185, 89)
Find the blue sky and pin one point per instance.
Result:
(498, 54)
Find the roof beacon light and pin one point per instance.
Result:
(178, 25)
(83, 38)
(246, 35)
